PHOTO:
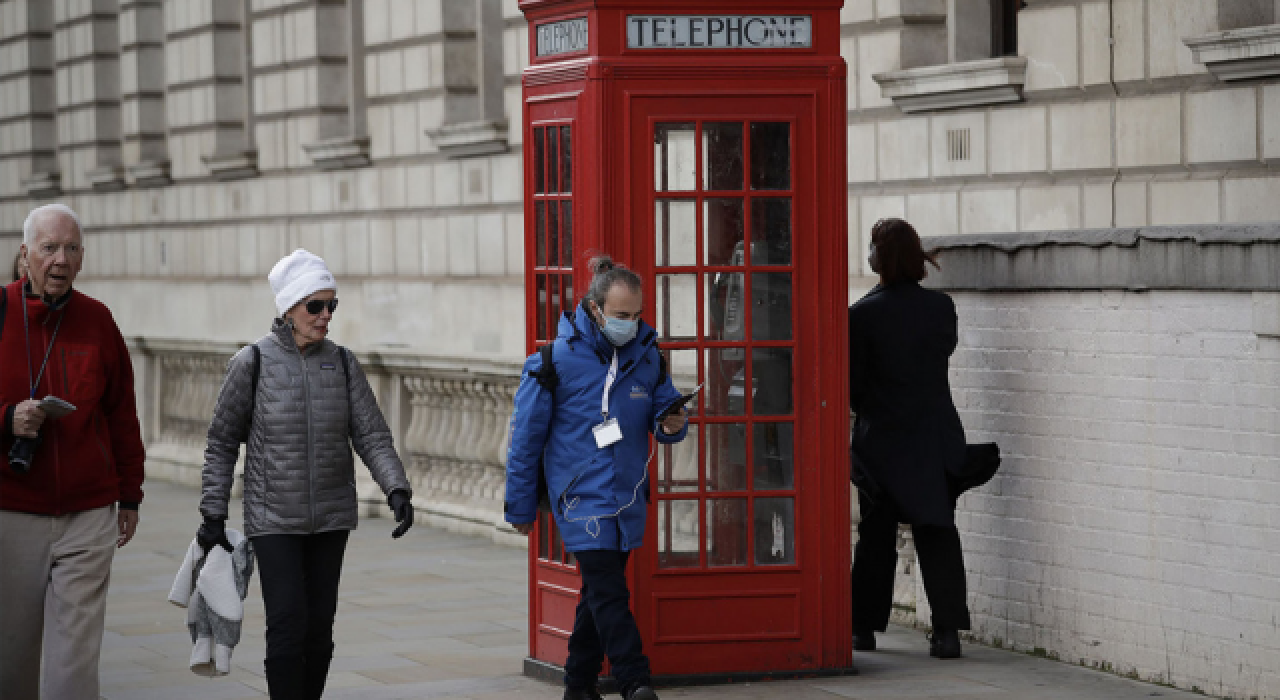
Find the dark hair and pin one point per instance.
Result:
(605, 273)
(899, 254)
(17, 266)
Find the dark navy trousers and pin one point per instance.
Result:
(604, 625)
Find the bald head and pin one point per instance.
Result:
(52, 247)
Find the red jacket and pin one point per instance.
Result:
(94, 456)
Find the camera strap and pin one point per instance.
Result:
(26, 332)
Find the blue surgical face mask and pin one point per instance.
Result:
(619, 331)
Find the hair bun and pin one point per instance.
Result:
(601, 264)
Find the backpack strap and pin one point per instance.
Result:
(546, 375)
(253, 394)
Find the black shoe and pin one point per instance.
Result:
(864, 641)
(944, 644)
(643, 692)
(578, 693)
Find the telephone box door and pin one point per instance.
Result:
(723, 201)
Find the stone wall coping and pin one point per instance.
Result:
(1242, 258)
(1239, 54)
(403, 361)
(964, 84)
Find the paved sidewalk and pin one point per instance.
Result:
(436, 615)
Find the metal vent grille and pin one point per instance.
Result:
(958, 145)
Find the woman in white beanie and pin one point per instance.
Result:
(300, 402)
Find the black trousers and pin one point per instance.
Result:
(299, 575)
(604, 625)
(875, 560)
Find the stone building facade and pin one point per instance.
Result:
(1044, 141)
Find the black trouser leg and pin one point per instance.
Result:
(284, 595)
(605, 585)
(299, 576)
(323, 571)
(942, 568)
(875, 561)
(586, 655)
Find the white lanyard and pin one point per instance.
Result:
(608, 385)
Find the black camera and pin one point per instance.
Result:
(23, 453)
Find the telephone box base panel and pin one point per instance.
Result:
(551, 673)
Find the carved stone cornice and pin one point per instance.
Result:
(1239, 54)
(954, 85)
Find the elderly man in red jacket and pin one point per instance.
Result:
(69, 486)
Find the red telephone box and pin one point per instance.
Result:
(703, 144)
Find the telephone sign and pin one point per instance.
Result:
(562, 37)
(719, 32)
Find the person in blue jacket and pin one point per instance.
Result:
(585, 423)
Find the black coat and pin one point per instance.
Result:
(907, 435)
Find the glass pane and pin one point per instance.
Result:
(723, 222)
(566, 233)
(727, 457)
(676, 231)
(569, 300)
(678, 465)
(727, 532)
(725, 317)
(566, 160)
(775, 535)
(540, 233)
(553, 234)
(771, 231)
(771, 378)
(557, 547)
(677, 534)
(773, 455)
(674, 158)
(677, 312)
(722, 155)
(538, 161)
(682, 365)
(540, 307)
(553, 159)
(771, 306)
(770, 156)
(724, 395)
(554, 321)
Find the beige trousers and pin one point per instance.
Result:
(54, 572)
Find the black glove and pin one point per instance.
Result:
(399, 500)
(213, 531)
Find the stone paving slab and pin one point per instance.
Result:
(439, 615)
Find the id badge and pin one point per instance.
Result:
(607, 433)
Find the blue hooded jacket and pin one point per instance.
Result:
(599, 496)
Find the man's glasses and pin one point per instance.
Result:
(315, 306)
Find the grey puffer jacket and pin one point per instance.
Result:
(299, 475)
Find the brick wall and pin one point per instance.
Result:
(1133, 524)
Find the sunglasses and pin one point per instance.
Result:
(315, 306)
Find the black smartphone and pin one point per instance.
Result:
(681, 402)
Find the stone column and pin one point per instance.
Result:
(87, 54)
(473, 78)
(209, 114)
(146, 153)
(28, 104)
(303, 84)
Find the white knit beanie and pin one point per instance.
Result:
(297, 276)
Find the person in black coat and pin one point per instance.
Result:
(906, 437)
